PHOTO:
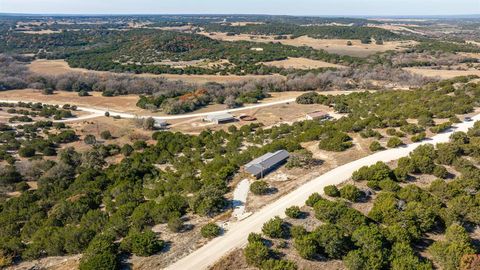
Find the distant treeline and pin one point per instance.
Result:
(315, 31)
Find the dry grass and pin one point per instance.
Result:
(41, 32)
(442, 73)
(338, 46)
(302, 63)
(50, 263)
(125, 103)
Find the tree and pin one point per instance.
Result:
(306, 246)
(26, 152)
(106, 135)
(83, 93)
(275, 228)
(403, 257)
(101, 254)
(394, 142)
(293, 212)
(331, 191)
(313, 199)
(175, 224)
(142, 243)
(126, 150)
(272, 264)
(210, 230)
(351, 193)
(256, 253)
(332, 240)
(149, 123)
(47, 91)
(449, 253)
(90, 139)
(376, 146)
(372, 245)
(9, 175)
(259, 187)
(208, 201)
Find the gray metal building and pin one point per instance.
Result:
(266, 163)
(219, 118)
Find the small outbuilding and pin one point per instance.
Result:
(266, 163)
(219, 118)
(317, 115)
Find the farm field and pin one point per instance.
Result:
(443, 73)
(302, 63)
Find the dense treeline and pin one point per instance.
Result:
(142, 51)
(397, 228)
(314, 31)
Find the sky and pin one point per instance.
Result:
(276, 7)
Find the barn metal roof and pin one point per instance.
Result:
(219, 117)
(266, 162)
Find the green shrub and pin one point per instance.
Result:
(313, 199)
(259, 187)
(26, 152)
(106, 135)
(275, 228)
(440, 172)
(256, 253)
(331, 191)
(376, 146)
(388, 185)
(298, 231)
(419, 137)
(90, 139)
(272, 264)
(351, 193)
(142, 243)
(175, 224)
(394, 142)
(293, 212)
(210, 230)
(127, 150)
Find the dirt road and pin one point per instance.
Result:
(97, 112)
(236, 237)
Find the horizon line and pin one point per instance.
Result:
(236, 14)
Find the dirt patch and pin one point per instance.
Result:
(50, 263)
(302, 63)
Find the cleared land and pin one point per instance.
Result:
(442, 73)
(56, 67)
(338, 46)
(302, 63)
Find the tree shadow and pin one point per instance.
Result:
(271, 190)
(236, 203)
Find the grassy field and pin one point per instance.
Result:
(302, 63)
(337, 46)
(443, 73)
(56, 67)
